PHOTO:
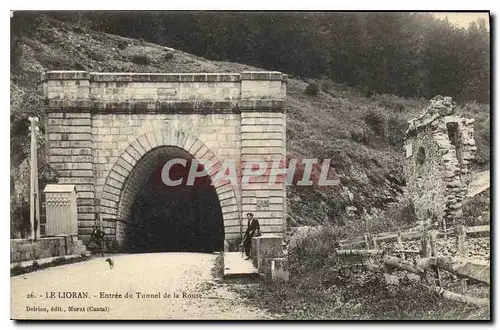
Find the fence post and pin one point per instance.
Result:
(367, 242)
(461, 241)
(399, 243)
(399, 240)
(424, 245)
(433, 237)
(462, 234)
(444, 229)
(387, 270)
(374, 242)
(424, 252)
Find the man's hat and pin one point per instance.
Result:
(249, 213)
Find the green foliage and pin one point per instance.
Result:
(408, 54)
(314, 249)
(19, 218)
(407, 213)
(122, 44)
(396, 127)
(476, 210)
(19, 270)
(376, 121)
(312, 89)
(16, 51)
(397, 215)
(25, 105)
(56, 61)
(169, 56)
(482, 133)
(35, 266)
(100, 57)
(360, 136)
(234, 244)
(324, 286)
(483, 143)
(21, 24)
(141, 60)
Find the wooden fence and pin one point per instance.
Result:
(427, 266)
(369, 240)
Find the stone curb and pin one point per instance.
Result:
(45, 261)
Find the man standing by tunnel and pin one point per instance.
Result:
(97, 236)
(253, 230)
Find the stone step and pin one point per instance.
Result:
(235, 265)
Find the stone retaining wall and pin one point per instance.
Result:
(46, 247)
(267, 254)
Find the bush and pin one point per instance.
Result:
(367, 91)
(19, 217)
(398, 215)
(312, 89)
(54, 61)
(122, 44)
(78, 29)
(396, 127)
(326, 86)
(360, 136)
(141, 60)
(19, 270)
(313, 250)
(16, 52)
(407, 213)
(482, 136)
(233, 245)
(169, 55)
(482, 133)
(390, 102)
(99, 57)
(78, 66)
(476, 210)
(376, 121)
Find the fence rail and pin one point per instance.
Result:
(408, 236)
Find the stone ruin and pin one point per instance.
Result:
(439, 147)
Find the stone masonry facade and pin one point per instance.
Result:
(101, 127)
(439, 148)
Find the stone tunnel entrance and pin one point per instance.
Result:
(108, 134)
(163, 218)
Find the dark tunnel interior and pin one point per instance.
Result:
(175, 218)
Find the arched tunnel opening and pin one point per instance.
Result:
(163, 218)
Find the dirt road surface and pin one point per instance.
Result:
(177, 286)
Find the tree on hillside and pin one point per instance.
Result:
(409, 54)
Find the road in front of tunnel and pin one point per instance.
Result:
(171, 285)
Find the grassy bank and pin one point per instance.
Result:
(325, 287)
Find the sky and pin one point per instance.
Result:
(463, 19)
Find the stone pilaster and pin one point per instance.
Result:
(263, 140)
(69, 137)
